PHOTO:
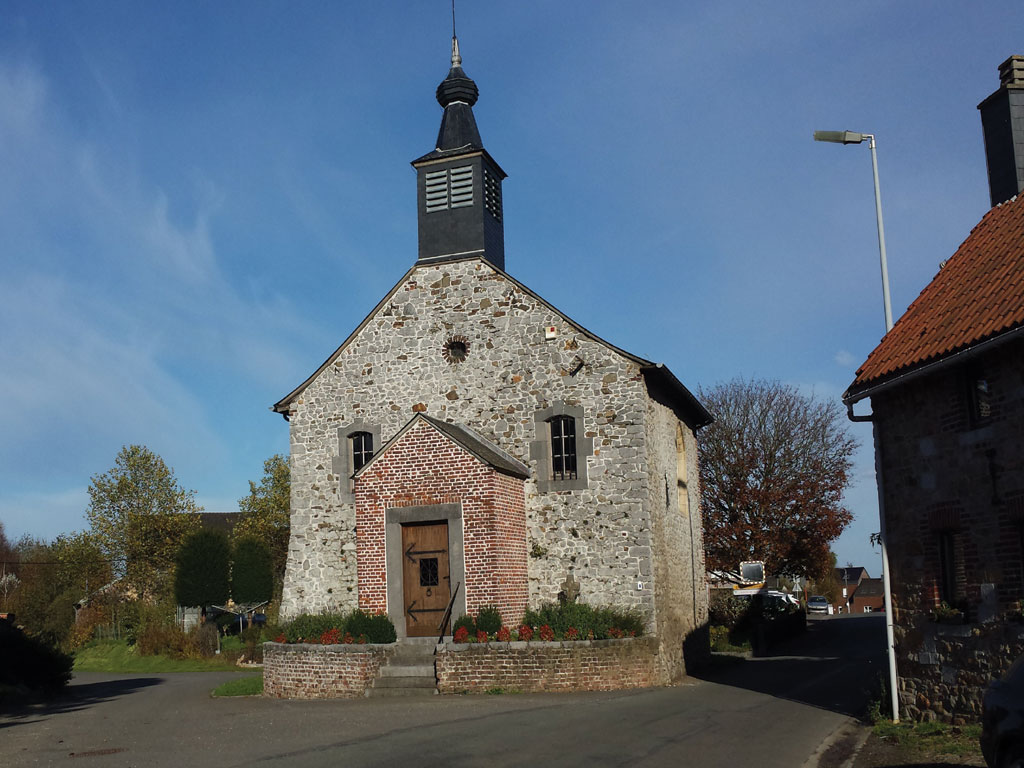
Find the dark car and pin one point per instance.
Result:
(1002, 720)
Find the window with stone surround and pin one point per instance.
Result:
(560, 448)
(356, 443)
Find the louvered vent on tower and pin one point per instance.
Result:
(437, 191)
(462, 186)
(450, 188)
(492, 193)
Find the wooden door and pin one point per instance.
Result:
(426, 581)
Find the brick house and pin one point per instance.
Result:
(469, 437)
(868, 597)
(849, 579)
(946, 386)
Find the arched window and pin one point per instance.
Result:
(362, 448)
(563, 447)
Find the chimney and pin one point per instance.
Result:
(1002, 122)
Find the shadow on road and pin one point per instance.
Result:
(73, 698)
(835, 665)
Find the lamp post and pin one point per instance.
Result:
(850, 137)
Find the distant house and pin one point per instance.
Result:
(946, 387)
(868, 598)
(219, 521)
(849, 580)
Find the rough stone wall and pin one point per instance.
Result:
(595, 665)
(943, 472)
(676, 549)
(303, 671)
(395, 362)
(424, 468)
(946, 677)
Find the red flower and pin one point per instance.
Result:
(330, 637)
(461, 635)
(348, 639)
(525, 632)
(572, 634)
(615, 632)
(504, 635)
(281, 638)
(481, 636)
(547, 634)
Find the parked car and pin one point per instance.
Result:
(817, 604)
(1002, 720)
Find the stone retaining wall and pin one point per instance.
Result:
(595, 665)
(305, 671)
(944, 669)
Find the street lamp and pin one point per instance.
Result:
(850, 137)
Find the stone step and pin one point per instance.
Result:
(381, 692)
(408, 670)
(405, 681)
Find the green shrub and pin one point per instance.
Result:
(726, 610)
(488, 619)
(308, 628)
(29, 663)
(465, 620)
(601, 623)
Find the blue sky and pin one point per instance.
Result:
(199, 201)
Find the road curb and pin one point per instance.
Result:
(841, 747)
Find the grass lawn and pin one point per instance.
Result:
(243, 686)
(931, 738)
(117, 657)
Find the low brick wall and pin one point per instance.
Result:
(589, 665)
(304, 671)
(945, 669)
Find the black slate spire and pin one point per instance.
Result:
(458, 183)
(457, 93)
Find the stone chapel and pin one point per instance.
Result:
(468, 438)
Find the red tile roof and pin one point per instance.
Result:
(977, 295)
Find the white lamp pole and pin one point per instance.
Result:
(850, 137)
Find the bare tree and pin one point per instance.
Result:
(773, 468)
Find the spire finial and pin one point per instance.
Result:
(456, 58)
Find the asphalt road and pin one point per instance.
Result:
(774, 711)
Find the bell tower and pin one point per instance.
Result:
(458, 184)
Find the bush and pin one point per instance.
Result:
(310, 628)
(587, 621)
(465, 621)
(726, 610)
(166, 639)
(488, 619)
(29, 663)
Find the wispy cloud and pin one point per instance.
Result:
(112, 306)
(844, 359)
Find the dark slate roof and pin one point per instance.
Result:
(465, 438)
(871, 588)
(977, 296)
(662, 383)
(851, 575)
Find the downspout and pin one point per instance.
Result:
(886, 583)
